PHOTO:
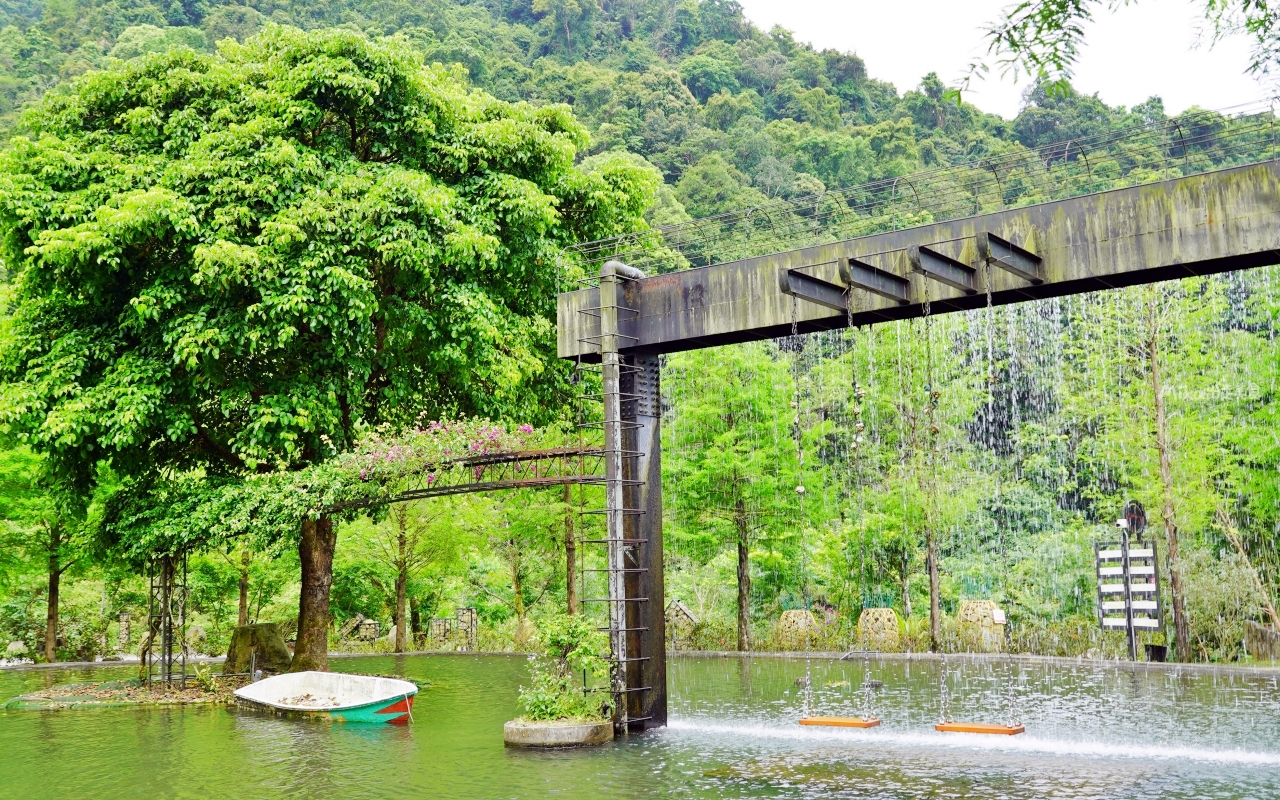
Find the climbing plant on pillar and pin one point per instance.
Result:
(231, 264)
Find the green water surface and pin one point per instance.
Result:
(1092, 732)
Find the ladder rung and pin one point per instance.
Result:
(628, 660)
(588, 309)
(624, 630)
(606, 541)
(598, 367)
(619, 600)
(620, 569)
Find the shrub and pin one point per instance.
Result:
(571, 646)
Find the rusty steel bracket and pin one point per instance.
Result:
(1009, 257)
(944, 269)
(814, 290)
(861, 275)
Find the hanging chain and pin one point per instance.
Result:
(991, 347)
(868, 691)
(931, 406)
(799, 432)
(808, 691)
(944, 696)
(1015, 713)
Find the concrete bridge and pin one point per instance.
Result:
(1196, 225)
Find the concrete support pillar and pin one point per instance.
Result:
(646, 623)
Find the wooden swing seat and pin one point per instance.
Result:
(841, 722)
(978, 727)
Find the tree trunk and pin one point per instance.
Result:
(1181, 629)
(935, 591)
(570, 557)
(517, 585)
(906, 582)
(744, 578)
(55, 578)
(315, 551)
(523, 632)
(402, 628)
(415, 619)
(244, 588)
(402, 581)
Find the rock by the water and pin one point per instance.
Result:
(557, 733)
(16, 648)
(264, 639)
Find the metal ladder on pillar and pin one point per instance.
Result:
(620, 550)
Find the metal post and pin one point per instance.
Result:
(166, 619)
(614, 514)
(1128, 592)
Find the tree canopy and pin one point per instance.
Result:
(232, 262)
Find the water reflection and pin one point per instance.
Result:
(1092, 732)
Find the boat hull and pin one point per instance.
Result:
(396, 711)
(351, 698)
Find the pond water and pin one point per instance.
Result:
(1092, 732)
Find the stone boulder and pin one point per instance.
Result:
(260, 644)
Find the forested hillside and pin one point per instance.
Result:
(1011, 438)
(730, 114)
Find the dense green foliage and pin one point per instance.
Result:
(237, 260)
(243, 254)
(571, 646)
(1042, 425)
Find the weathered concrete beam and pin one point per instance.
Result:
(1201, 224)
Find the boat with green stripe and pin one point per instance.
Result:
(332, 696)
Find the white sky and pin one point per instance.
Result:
(1149, 48)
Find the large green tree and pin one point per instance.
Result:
(232, 263)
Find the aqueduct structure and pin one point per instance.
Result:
(623, 320)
